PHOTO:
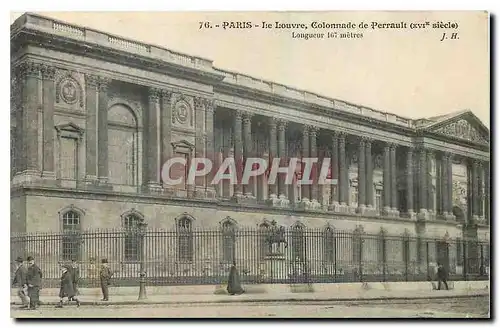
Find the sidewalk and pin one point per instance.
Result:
(368, 295)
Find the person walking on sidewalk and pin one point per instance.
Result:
(67, 289)
(442, 276)
(105, 276)
(233, 282)
(20, 279)
(75, 275)
(34, 281)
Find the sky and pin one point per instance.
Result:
(410, 73)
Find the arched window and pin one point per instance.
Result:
(123, 153)
(356, 246)
(71, 235)
(185, 239)
(298, 243)
(228, 241)
(329, 251)
(132, 224)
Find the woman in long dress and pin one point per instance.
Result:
(233, 282)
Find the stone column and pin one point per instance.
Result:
(475, 187)
(238, 152)
(102, 131)
(199, 143)
(313, 151)
(305, 189)
(422, 173)
(449, 195)
(480, 210)
(409, 182)
(487, 192)
(209, 144)
(394, 187)
(166, 132)
(153, 140)
(273, 153)
(30, 95)
(387, 179)
(248, 152)
(335, 190)
(430, 189)
(48, 87)
(283, 195)
(361, 176)
(91, 100)
(369, 174)
(343, 175)
(444, 185)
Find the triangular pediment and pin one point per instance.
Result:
(464, 126)
(69, 127)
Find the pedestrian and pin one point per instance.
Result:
(67, 289)
(20, 279)
(105, 275)
(75, 275)
(34, 282)
(442, 276)
(233, 282)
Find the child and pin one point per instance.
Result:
(67, 289)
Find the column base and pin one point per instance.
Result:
(48, 175)
(423, 215)
(273, 201)
(284, 202)
(449, 216)
(153, 188)
(394, 212)
(386, 211)
(314, 205)
(343, 208)
(199, 192)
(237, 198)
(361, 209)
(304, 204)
(370, 211)
(210, 193)
(411, 215)
(351, 209)
(334, 207)
(26, 177)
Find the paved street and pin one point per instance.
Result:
(460, 308)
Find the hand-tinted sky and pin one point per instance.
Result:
(410, 73)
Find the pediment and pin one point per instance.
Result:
(69, 127)
(466, 127)
(182, 144)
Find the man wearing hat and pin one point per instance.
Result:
(20, 279)
(67, 289)
(75, 275)
(105, 276)
(34, 281)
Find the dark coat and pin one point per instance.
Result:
(75, 274)
(233, 282)
(21, 276)
(105, 274)
(34, 276)
(441, 273)
(67, 289)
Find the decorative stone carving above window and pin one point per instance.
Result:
(182, 112)
(183, 147)
(379, 185)
(353, 182)
(69, 90)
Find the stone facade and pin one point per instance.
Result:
(94, 117)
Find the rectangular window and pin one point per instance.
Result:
(68, 158)
(329, 247)
(356, 248)
(382, 250)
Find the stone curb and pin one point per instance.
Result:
(257, 300)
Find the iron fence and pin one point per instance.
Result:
(190, 256)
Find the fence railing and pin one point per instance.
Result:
(189, 256)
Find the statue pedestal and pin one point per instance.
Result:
(275, 263)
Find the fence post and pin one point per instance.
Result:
(427, 260)
(406, 245)
(384, 258)
(361, 242)
(142, 275)
(465, 260)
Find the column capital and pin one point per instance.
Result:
(238, 114)
(48, 72)
(154, 94)
(272, 123)
(104, 83)
(209, 105)
(282, 124)
(392, 146)
(92, 81)
(29, 68)
(247, 117)
(165, 94)
(313, 130)
(199, 103)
